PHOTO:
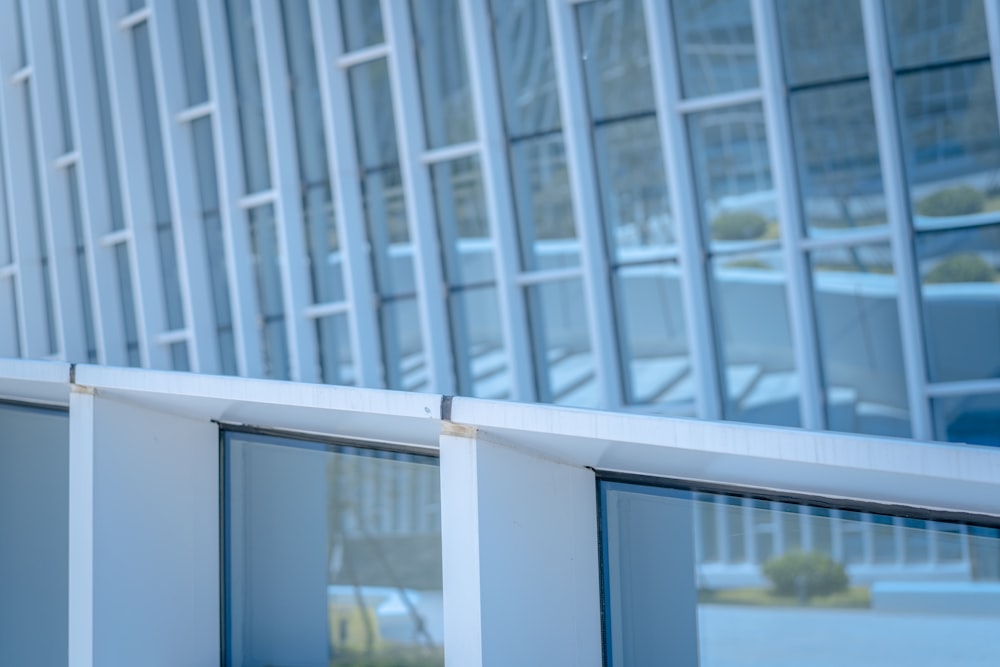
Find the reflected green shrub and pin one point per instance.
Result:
(739, 226)
(964, 268)
(959, 200)
(805, 573)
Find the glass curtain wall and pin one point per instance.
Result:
(323, 250)
(638, 222)
(403, 356)
(464, 233)
(261, 223)
(842, 203)
(546, 229)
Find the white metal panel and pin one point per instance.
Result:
(81, 529)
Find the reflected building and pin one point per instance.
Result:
(774, 211)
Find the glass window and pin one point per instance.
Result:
(127, 300)
(192, 54)
(872, 595)
(372, 98)
(361, 21)
(758, 369)
(437, 26)
(332, 554)
(566, 373)
(931, 31)
(462, 222)
(334, 342)
(477, 338)
(854, 291)
(715, 43)
(959, 272)
(951, 143)
(82, 266)
(249, 96)
(973, 419)
(34, 535)
(402, 345)
(733, 174)
(823, 41)
(836, 151)
(62, 90)
(266, 262)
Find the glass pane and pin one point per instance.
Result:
(563, 359)
(444, 81)
(333, 338)
(127, 301)
(249, 96)
(615, 58)
(860, 350)
(796, 600)
(544, 206)
(837, 157)
(931, 31)
(10, 332)
(653, 335)
(82, 266)
(733, 174)
(34, 536)
(760, 380)
(951, 143)
(823, 41)
(971, 419)
(270, 302)
(333, 555)
(402, 347)
(372, 100)
(192, 55)
(477, 338)
(715, 41)
(388, 233)
(959, 272)
(179, 357)
(361, 21)
(524, 61)
(633, 187)
(462, 222)
(62, 89)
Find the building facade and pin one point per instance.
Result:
(772, 211)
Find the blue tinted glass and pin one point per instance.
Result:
(715, 43)
(82, 266)
(973, 419)
(361, 21)
(477, 338)
(127, 301)
(951, 143)
(836, 149)
(959, 272)
(333, 555)
(63, 91)
(270, 302)
(437, 26)
(615, 58)
(388, 234)
(334, 342)
(524, 60)
(192, 53)
(930, 31)
(860, 349)
(462, 222)
(253, 131)
(10, 325)
(563, 356)
(822, 40)
(375, 130)
(402, 346)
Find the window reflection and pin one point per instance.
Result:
(715, 43)
(361, 23)
(707, 579)
(822, 40)
(562, 344)
(857, 320)
(929, 31)
(974, 419)
(333, 555)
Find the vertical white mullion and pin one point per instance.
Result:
(586, 204)
(53, 215)
(782, 154)
(282, 148)
(898, 212)
(487, 108)
(166, 74)
(694, 281)
(79, 93)
(225, 134)
(147, 284)
(420, 213)
(185, 210)
(993, 33)
(346, 182)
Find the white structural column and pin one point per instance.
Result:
(346, 182)
(782, 154)
(189, 238)
(521, 573)
(296, 291)
(420, 213)
(81, 527)
(694, 283)
(586, 203)
(226, 135)
(898, 210)
(488, 109)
